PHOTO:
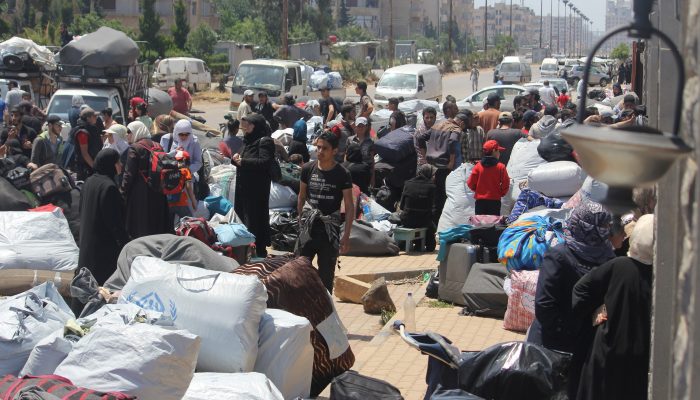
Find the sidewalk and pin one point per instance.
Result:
(382, 354)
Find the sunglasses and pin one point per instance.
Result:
(183, 134)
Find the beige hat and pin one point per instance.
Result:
(642, 240)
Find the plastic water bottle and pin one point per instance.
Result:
(367, 212)
(409, 313)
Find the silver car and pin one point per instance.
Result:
(475, 102)
(596, 76)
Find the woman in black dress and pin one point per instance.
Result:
(253, 178)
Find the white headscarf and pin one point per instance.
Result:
(120, 144)
(139, 130)
(642, 240)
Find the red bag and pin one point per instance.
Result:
(521, 302)
(46, 208)
(164, 171)
(197, 228)
(10, 386)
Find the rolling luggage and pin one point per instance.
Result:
(483, 293)
(454, 270)
(396, 145)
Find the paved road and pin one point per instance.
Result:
(457, 84)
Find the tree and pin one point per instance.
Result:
(344, 17)
(201, 41)
(302, 33)
(251, 31)
(84, 24)
(181, 28)
(354, 33)
(621, 52)
(149, 25)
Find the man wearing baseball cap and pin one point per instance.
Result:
(489, 180)
(48, 146)
(246, 106)
(505, 135)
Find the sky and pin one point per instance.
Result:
(593, 9)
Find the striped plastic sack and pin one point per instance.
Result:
(521, 302)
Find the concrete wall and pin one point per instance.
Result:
(675, 365)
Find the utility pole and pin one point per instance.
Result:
(541, 20)
(566, 43)
(392, 46)
(285, 26)
(511, 19)
(551, 25)
(558, 27)
(486, 24)
(449, 35)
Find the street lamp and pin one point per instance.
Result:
(625, 158)
(571, 20)
(541, 20)
(558, 27)
(551, 25)
(566, 43)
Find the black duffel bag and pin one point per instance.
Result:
(352, 386)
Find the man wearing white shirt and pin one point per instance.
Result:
(547, 94)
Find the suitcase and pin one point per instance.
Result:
(454, 270)
(396, 145)
(49, 179)
(483, 293)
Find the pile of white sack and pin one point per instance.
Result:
(321, 80)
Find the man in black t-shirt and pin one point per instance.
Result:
(324, 185)
(505, 135)
(329, 107)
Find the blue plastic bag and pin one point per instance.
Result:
(523, 244)
(218, 205)
(233, 234)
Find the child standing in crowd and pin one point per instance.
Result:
(489, 180)
(183, 203)
(563, 98)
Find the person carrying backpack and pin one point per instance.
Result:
(86, 138)
(183, 203)
(146, 204)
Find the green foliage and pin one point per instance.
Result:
(66, 11)
(386, 316)
(438, 304)
(424, 42)
(149, 26)
(232, 11)
(505, 46)
(621, 52)
(181, 27)
(344, 17)
(301, 33)
(354, 70)
(353, 33)
(251, 31)
(201, 41)
(87, 23)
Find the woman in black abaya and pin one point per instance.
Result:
(102, 231)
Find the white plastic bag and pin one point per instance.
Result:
(281, 197)
(223, 309)
(460, 204)
(225, 177)
(285, 353)
(556, 179)
(26, 319)
(524, 159)
(248, 386)
(148, 361)
(48, 354)
(37, 240)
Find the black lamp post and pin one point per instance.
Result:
(625, 158)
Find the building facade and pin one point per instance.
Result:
(618, 12)
(128, 12)
(525, 24)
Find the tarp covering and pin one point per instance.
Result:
(106, 47)
(159, 102)
(40, 54)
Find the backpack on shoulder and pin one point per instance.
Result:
(163, 175)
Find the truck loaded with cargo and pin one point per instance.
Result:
(30, 65)
(103, 69)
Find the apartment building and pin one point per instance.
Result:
(618, 12)
(525, 24)
(128, 12)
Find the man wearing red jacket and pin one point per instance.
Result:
(489, 180)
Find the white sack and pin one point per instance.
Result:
(556, 179)
(524, 159)
(460, 199)
(281, 197)
(26, 319)
(248, 386)
(37, 240)
(144, 360)
(224, 176)
(48, 354)
(284, 136)
(285, 353)
(223, 309)
(335, 80)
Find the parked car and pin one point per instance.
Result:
(410, 81)
(557, 83)
(193, 70)
(597, 77)
(475, 102)
(549, 67)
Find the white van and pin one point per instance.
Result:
(549, 68)
(514, 69)
(193, 70)
(410, 81)
(275, 77)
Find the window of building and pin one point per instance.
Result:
(109, 5)
(350, 3)
(194, 8)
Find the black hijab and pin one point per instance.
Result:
(260, 130)
(105, 162)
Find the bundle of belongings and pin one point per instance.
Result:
(222, 234)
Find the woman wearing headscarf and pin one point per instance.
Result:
(184, 139)
(102, 230)
(146, 208)
(616, 297)
(253, 179)
(74, 112)
(586, 246)
(299, 139)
